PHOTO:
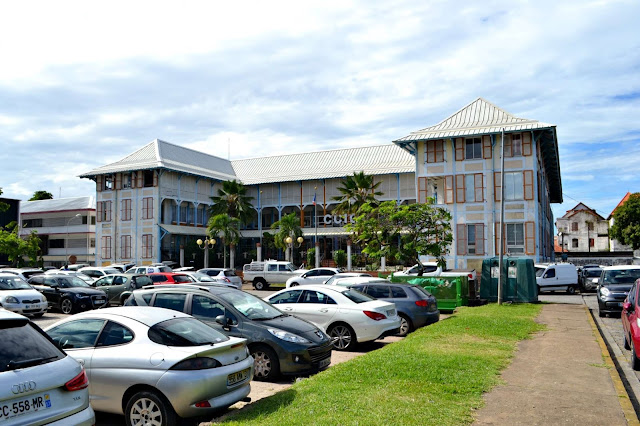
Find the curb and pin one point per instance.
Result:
(623, 396)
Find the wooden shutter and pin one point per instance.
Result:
(508, 148)
(478, 183)
(529, 238)
(133, 180)
(448, 189)
(460, 189)
(431, 152)
(140, 177)
(461, 239)
(486, 146)
(459, 149)
(422, 190)
(155, 178)
(99, 183)
(497, 186)
(439, 147)
(99, 206)
(497, 238)
(480, 239)
(118, 182)
(527, 182)
(108, 208)
(526, 144)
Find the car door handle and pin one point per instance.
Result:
(324, 310)
(288, 309)
(80, 360)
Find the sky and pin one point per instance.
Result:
(83, 84)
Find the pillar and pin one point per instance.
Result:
(259, 252)
(317, 254)
(383, 263)
(182, 255)
(232, 256)
(348, 255)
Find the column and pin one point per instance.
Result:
(348, 255)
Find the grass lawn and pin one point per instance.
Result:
(436, 375)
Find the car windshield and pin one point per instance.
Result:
(290, 267)
(621, 276)
(357, 297)
(71, 281)
(185, 332)
(29, 274)
(540, 271)
(251, 306)
(24, 346)
(229, 273)
(13, 283)
(592, 273)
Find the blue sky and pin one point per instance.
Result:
(84, 84)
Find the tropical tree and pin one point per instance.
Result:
(626, 222)
(17, 248)
(4, 206)
(232, 199)
(226, 228)
(287, 226)
(356, 190)
(41, 195)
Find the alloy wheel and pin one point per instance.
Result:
(66, 306)
(262, 363)
(145, 412)
(341, 336)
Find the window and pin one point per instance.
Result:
(574, 243)
(106, 247)
(470, 239)
(574, 226)
(127, 179)
(513, 186)
(272, 268)
(56, 243)
(108, 183)
(114, 334)
(378, 291)
(516, 145)
(592, 242)
(435, 151)
(104, 211)
(125, 212)
(286, 297)
(125, 246)
(32, 223)
(473, 148)
(147, 245)
(590, 226)
(77, 334)
(147, 208)
(551, 273)
(148, 178)
(170, 301)
(398, 293)
(515, 238)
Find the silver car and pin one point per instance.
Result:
(224, 275)
(154, 364)
(18, 296)
(39, 383)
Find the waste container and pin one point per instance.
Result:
(450, 292)
(519, 280)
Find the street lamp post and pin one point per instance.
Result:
(66, 241)
(289, 242)
(205, 245)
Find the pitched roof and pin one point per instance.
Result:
(581, 208)
(624, 200)
(58, 204)
(480, 117)
(373, 160)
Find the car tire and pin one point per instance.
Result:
(343, 336)
(66, 306)
(260, 284)
(405, 325)
(635, 362)
(627, 346)
(38, 315)
(148, 407)
(571, 289)
(266, 363)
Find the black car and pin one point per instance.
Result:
(279, 342)
(68, 293)
(613, 287)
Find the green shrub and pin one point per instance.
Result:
(341, 258)
(311, 258)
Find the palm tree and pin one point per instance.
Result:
(225, 227)
(356, 190)
(232, 199)
(288, 226)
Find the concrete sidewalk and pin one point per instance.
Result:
(563, 375)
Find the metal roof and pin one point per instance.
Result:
(60, 204)
(373, 160)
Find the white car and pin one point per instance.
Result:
(350, 281)
(40, 383)
(85, 278)
(18, 296)
(224, 276)
(346, 315)
(313, 276)
(345, 275)
(24, 273)
(204, 279)
(97, 272)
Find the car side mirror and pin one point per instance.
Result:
(627, 307)
(225, 322)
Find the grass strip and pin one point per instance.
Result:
(436, 375)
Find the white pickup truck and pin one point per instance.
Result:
(262, 274)
(431, 269)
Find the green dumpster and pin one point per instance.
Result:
(519, 280)
(450, 292)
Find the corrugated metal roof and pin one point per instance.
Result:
(374, 160)
(60, 204)
(479, 117)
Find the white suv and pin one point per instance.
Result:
(18, 296)
(39, 383)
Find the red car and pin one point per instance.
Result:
(630, 327)
(170, 278)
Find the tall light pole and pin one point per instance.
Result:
(66, 241)
(289, 242)
(205, 245)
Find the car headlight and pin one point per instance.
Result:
(11, 299)
(80, 295)
(604, 291)
(44, 299)
(288, 337)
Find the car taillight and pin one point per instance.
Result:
(198, 363)
(203, 404)
(376, 316)
(79, 382)
(470, 276)
(227, 280)
(422, 303)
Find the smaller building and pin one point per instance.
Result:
(66, 227)
(582, 229)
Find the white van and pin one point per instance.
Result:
(557, 277)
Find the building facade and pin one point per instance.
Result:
(458, 165)
(582, 229)
(66, 227)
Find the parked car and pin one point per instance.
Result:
(18, 296)
(313, 276)
(557, 277)
(122, 267)
(344, 275)
(589, 278)
(155, 365)
(77, 266)
(80, 275)
(350, 281)
(39, 383)
(98, 272)
(416, 306)
(613, 287)
(148, 269)
(630, 317)
(203, 279)
(24, 273)
(346, 315)
(118, 287)
(170, 278)
(262, 274)
(67, 293)
(280, 343)
(224, 275)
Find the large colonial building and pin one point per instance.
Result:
(155, 201)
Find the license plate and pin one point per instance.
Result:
(237, 377)
(99, 302)
(391, 312)
(324, 363)
(29, 306)
(24, 406)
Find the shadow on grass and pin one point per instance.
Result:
(254, 412)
